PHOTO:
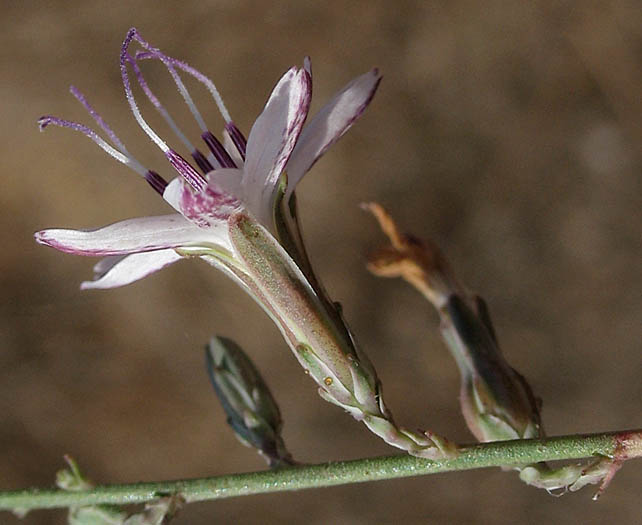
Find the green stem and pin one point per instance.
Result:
(619, 445)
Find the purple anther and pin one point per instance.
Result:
(156, 181)
(237, 137)
(45, 120)
(202, 161)
(185, 170)
(128, 40)
(217, 149)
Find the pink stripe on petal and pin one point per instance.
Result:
(210, 208)
(131, 236)
(273, 137)
(329, 125)
(121, 271)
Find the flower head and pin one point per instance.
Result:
(238, 213)
(256, 176)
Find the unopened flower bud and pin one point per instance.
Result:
(251, 410)
(73, 480)
(496, 401)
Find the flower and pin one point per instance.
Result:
(256, 177)
(239, 215)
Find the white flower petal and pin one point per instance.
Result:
(329, 124)
(272, 139)
(105, 264)
(228, 180)
(118, 271)
(173, 193)
(133, 236)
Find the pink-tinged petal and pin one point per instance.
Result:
(132, 236)
(307, 65)
(226, 180)
(330, 123)
(116, 271)
(273, 137)
(207, 209)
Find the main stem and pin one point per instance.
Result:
(620, 445)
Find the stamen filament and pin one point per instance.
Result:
(156, 103)
(219, 157)
(155, 53)
(128, 161)
(206, 81)
(130, 95)
(98, 119)
(191, 176)
(202, 161)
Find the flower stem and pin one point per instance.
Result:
(621, 445)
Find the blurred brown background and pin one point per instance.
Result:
(509, 132)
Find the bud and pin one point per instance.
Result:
(159, 512)
(496, 401)
(154, 513)
(251, 410)
(571, 477)
(72, 479)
